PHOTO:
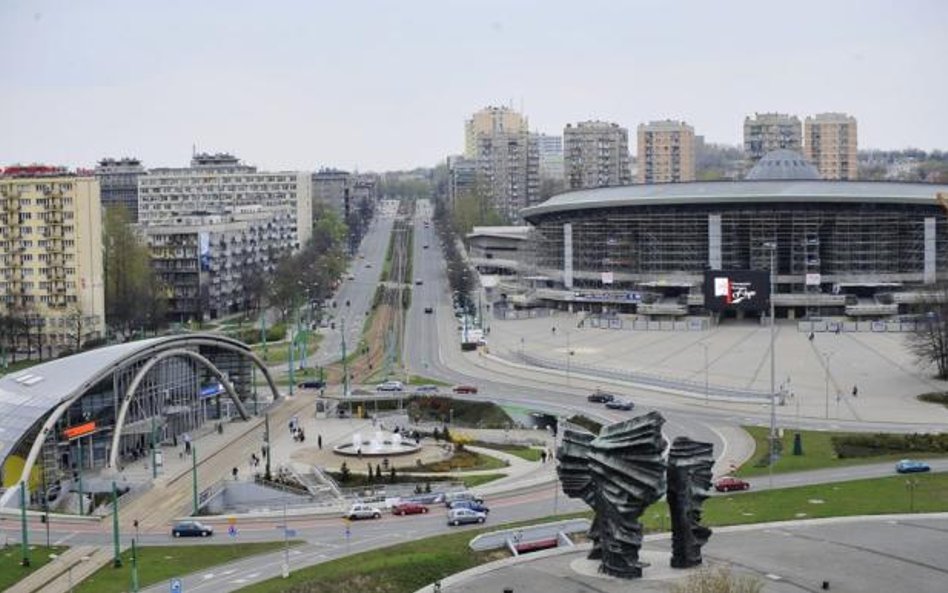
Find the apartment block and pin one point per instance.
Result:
(551, 156)
(118, 183)
(51, 270)
(491, 120)
(462, 177)
(765, 132)
(331, 187)
(596, 154)
(218, 200)
(666, 152)
(829, 142)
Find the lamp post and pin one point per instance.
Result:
(345, 364)
(707, 390)
(194, 479)
(773, 396)
(154, 450)
(826, 404)
(25, 538)
(117, 556)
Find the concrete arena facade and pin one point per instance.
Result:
(97, 410)
(860, 249)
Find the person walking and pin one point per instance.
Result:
(855, 391)
(234, 472)
(319, 441)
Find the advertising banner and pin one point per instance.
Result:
(736, 290)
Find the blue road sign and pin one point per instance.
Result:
(176, 586)
(232, 531)
(290, 533)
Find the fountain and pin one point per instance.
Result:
(380, 445)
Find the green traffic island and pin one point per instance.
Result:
(427, 409)
(938, 397)
(12, 568)
(821, 449)
(524, 452)
(162, 563)
(463, 460)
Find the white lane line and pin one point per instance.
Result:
(64, 539)
(228, 572)
(208, 576)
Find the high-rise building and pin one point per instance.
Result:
(596, 154)
(462, 177)
(829, 142)
(51, 272)
(551, 156)
(666, 152)
(330, 188)
(210, 224)
(491, 120)
(118, 183)
(508, 160)
(766, 132)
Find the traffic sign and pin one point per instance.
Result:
(232, 531)
(176, 586)
(231, 520)
(290, 533)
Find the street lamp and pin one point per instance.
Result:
(773, 395)
(707, 390)
(826, 411)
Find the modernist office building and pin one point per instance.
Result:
(866, 250)
(78, 415)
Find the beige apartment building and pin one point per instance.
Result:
(51, 254)
(766, 132)
(829, 142)
(596, 154)
(666, 152)
(488, 121)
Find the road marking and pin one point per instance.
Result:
(228, 572)
(774, 577)
(239, 581)
(253, 575)
(64, 539)
(208, 576)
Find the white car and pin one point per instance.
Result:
(362, 511)
(390, 386)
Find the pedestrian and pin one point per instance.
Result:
(811, 336)
(302, 436)
(187, 444)
(855, 391)
(234, 471)
(543, 456)
(319, 441)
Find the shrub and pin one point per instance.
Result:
(718, 579)
(871, 445)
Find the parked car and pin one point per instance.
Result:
(429, 310)
(729, 483)
(426, 389)
(463, 516)
(465, 389)
(911, 466)
(314, 384)
(425, 246)
(368, 265)
(600, 397)
(362, 511)
(390, 386)
(474, 505)
(191, 529)
(419, 281)
(452, 497)
(409, 508)
(619, 404)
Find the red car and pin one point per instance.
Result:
(728, 483)
(409, 508)
(465, 389)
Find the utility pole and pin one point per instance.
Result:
(773, 395)
(194, 479)
(292, 346)
(79, 477)
(117, 560)
(345, 364)
(154, 450)
(266, 441)
(263, 332)
(134, 567)
(25, 539)
(707, 388)
(826, 400)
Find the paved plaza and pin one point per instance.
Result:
(738, 355)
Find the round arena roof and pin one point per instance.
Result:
(739, 192)
(783, 164)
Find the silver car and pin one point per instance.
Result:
(362, 511)
(462, 516)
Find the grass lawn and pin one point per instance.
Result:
(422, 380)
(408, 567)
(278, 352)
(528, 453)
(10, 556)
(161, 563)
(818, 453)
(471, 481)
(462, 460)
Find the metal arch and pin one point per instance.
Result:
(140, 375)
(152, 349)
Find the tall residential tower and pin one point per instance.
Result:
(596, 154)
(666, 152)
(766, 132)
(829, 142)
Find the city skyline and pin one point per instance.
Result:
(382, 87)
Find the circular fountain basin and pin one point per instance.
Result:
(380, 445)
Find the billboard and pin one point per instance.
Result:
(736, 290)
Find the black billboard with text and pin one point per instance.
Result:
(736, 290)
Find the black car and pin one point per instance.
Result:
(314, 384)
(429, 310)
(191, 529)
(600, 397)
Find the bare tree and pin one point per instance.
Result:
(929, 342)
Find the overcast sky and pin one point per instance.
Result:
(387, 85)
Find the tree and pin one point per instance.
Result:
(378, 472)
(130, 283)
(391, 475)
(929, 342)
(344, 473)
